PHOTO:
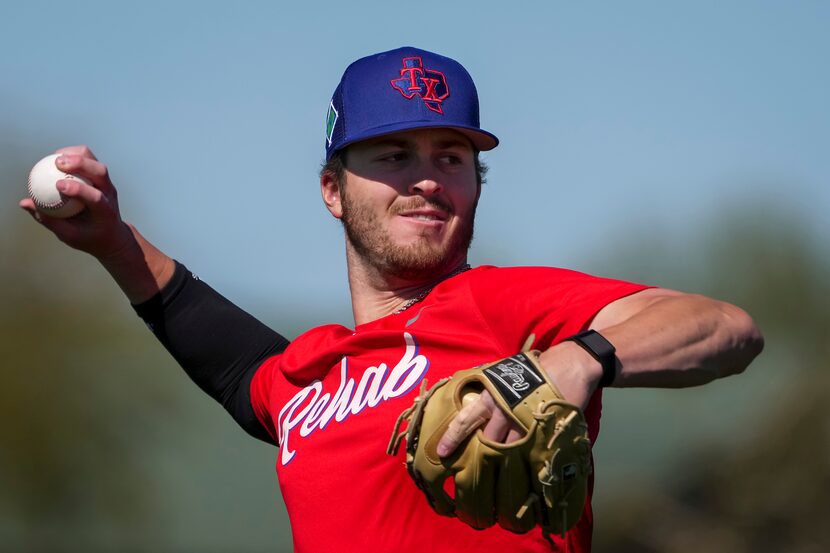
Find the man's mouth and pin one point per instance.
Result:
(427, 215)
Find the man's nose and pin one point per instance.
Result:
(425, 182)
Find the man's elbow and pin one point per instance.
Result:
(745, 339)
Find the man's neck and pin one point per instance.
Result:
(376, 295)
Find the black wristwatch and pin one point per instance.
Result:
(600, 349)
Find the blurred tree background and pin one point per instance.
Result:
(750, 468)
(106, 446)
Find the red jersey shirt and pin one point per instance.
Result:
(331, 400)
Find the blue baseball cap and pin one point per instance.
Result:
(402, 90)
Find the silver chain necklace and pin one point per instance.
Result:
(425, 293)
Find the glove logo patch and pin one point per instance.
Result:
(515, 378)
(429, 84)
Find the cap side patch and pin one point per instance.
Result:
(331, 121)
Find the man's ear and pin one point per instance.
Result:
(330, 189)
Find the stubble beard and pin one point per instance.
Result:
(421, 260)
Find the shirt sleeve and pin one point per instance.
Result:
(261, 385)
(553, 304)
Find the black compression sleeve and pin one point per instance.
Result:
(219, 345)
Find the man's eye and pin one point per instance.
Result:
(451, 159)
(396, 156)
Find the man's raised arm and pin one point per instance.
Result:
(219, 345)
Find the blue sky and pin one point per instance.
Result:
(613, 117)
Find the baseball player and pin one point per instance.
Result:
(403, 176)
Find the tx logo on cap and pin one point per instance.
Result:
(429, 84)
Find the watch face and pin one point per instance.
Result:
(599, 344)
(602, 350)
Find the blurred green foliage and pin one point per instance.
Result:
(70, 394)
(105, 445)
(760, 481)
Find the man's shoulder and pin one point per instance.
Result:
(522, 274)
(552, 284)
(323, 334)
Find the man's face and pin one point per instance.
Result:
(409, 201)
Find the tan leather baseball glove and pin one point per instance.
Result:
(539, 480)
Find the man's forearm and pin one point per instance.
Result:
(138, 267)
(676, 340)
(664, 339)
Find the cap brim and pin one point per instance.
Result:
(481, 139)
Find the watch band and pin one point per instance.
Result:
(600, 349)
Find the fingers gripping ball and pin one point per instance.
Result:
(538, 480)
(48, 199)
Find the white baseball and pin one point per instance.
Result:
(48, 200)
